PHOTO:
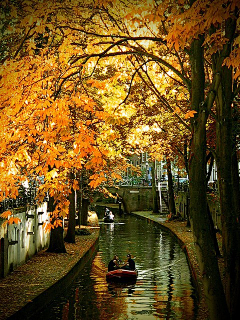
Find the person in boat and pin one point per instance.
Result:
(113, 264)
(130, 264)
(108, 215)
(107, 212)
(111, 215)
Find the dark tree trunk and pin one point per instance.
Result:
(154, 190)
(79, 196)
(56, 241)
(204, 243)
(84, 211)
(185, 154)
(172, 208)
(213, 232)
(225, 160)
(56, 237)
(235, 276)
(70, 236)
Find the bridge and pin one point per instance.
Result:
(133, 198)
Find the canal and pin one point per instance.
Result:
(163, 289)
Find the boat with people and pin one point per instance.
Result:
(108, 217)
(122, 275)
(125, 272)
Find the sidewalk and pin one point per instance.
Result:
(31, 285)
(185, 238)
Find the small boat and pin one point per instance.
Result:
(107, 219)
(122, 275)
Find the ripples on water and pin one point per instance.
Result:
(163, 289)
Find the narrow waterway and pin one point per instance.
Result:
(163, 289)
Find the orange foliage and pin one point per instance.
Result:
(66, 109)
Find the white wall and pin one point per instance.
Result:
(23, 240)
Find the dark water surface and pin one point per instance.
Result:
(163, 289)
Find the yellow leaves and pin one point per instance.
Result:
(115, 175)
(9, 218)
(52, 174)
(65, 138)
(6, 214)
(96, 84)
(84, 102)
(104, 3)
(54, 223)
(233, 59)
(117, 120)
(47, 227)
(31, 139)
(177, 110)
(95, 162)
(31, 45)
(38, 169)
(14, 220)
(75, 185)
(96, 180)
(190, 114)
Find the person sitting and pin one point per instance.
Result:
(107, 211)
(111, 215)
(130, 264)
(113, 264)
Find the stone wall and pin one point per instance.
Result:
(21, 241)
(133, 198)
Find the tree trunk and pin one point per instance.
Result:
(185, 155)
(79, 196)
(56, 236)
(84, 211)
(213, 232)
(235, 277)
(226, 175)
(172, 208)
(56, 241)
(70, 236)
(154, 190)
(204, 243)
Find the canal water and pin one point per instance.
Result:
(163, 289)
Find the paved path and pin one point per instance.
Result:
(31, 284)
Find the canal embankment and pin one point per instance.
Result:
(185, 238)
(33, 284)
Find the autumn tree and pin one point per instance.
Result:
(181, 48)
(53, 127)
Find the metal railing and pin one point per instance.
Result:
(26, 196)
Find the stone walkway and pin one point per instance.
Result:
(30, 285)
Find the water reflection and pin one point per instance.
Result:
(163, 288)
